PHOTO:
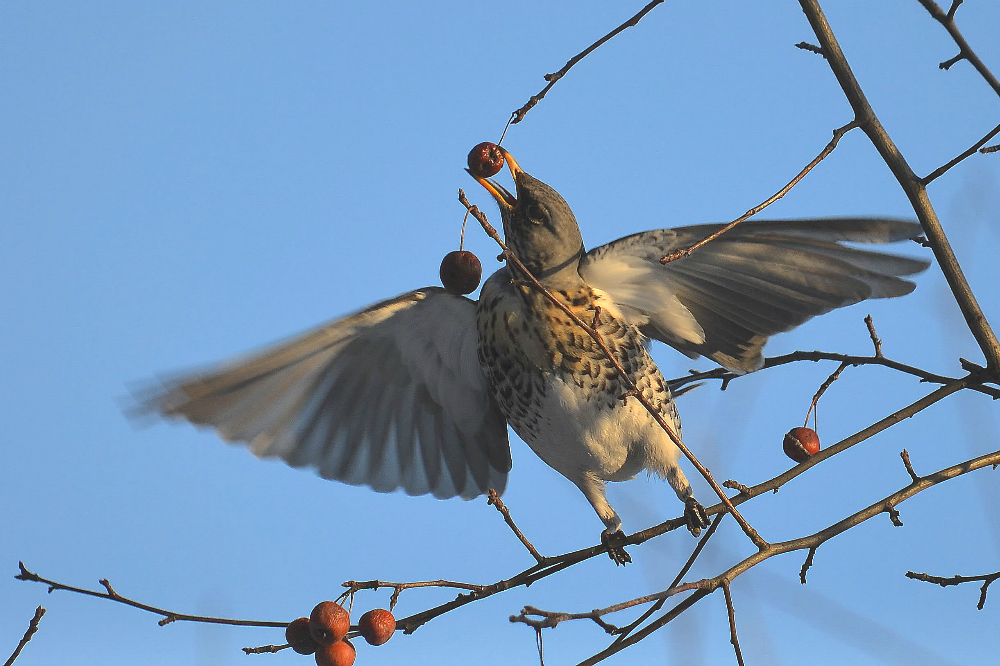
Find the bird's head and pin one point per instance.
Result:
(538, 225)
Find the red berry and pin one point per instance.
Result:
(297, 635)
(329, 623)
(800, 443)
(460, 272)
(377, 626)
(485, 160)
(341, 653)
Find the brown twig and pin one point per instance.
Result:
(816, 356)
(958, 580)
(822, 389)
(905, 455)
(837, 135)
(111, 595)
(807, 565)
(909, 181)
(990, 149)
(806, 46)
(518, 116)
(356, 585)
(733, 638)
(494, 499)
(32, 628)
(876, 341)
(627, 629)
(978, 145)
(633, 389)
(965, 52)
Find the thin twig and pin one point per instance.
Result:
(816, 356)
(965, 51)
(806, 46)
(823, 387)
(958, 580)
(495, 500)
(733, 638)
(633, 389)
(32, 628)
(807, 564)
(837, 135)
(111, 595)
(518, 116)
(876, 341)
(629, 628)
(905, 455)
(990, 149)
(978, 145)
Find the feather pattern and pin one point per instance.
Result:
(762, 277)
(390, 397)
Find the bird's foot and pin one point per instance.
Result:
(695, 515)
(615, 541)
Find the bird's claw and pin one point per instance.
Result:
(615, 542)
(695, 515)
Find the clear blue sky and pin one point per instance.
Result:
(180, 182)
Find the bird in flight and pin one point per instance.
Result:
(416, 392)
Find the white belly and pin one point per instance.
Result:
(579, 436)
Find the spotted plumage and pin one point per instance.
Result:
(415, 393)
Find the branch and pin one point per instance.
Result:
(811, 542)
(958, 580)
(495, 500)
(111, 595)
(973, 148)
(518, 115)
(32, 628)
(910, 182)
(837, 135)
(965, 52)
(726, 376)
(732, 624)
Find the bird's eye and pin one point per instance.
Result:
(535, 213)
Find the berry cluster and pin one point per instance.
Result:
(324, 633)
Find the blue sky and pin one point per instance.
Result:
(181, 182)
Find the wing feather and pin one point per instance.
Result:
(761, 278)
(391, 397)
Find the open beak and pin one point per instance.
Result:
(503, 197)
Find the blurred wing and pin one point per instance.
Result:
(761, 278)
(389, 397)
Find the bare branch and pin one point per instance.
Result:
(837, 135)
(876, 341)
(495, 500)
(958, 580)
(910, 182)
(168, 616)
(32, 628)
(726, 376)
(807, 565)
(823, 387)
(518, 116)
(806, 46)
(732, 623)
(978, 145)
(965, 51)
(905, 455)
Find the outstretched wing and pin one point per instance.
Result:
(762, 277)
(390, 397)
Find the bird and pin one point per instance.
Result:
(416, 392)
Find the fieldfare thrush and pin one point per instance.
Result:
(416, 392)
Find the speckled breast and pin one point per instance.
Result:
(524, 340)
